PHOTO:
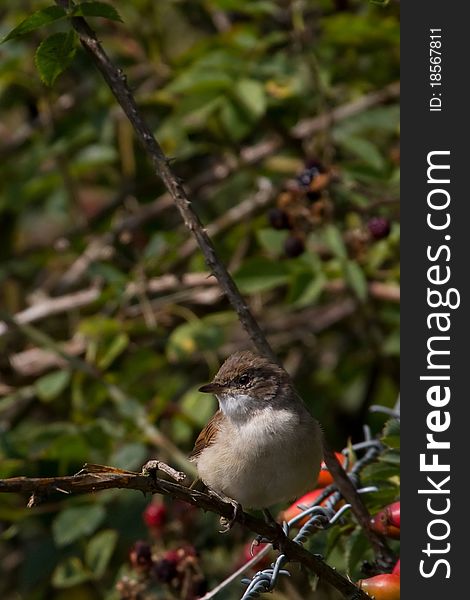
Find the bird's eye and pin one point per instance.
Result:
(244, 379)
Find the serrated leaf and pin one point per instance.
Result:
(259, 274)
(391, 427)
(54, 55)
(36, 20)
(96, 9)
(70, 572)
(99, 551)
(76, 522)
(355, 277)
(386, 494)
(51, 385)
(379, 472)
(391, 434)
(391, 457)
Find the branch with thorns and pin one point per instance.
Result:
(94, 478)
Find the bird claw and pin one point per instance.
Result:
(281, 530)
(259, 539)
(227, 524)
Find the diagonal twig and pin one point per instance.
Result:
(116, 80)
(93, 478)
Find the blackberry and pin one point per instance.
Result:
(313, 196)
(379, 227)
(140, 555)
(278, 219)
(165, 570)
(293, 246)
(306, 177)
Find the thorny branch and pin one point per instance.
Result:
(93, 478)
(117, 82)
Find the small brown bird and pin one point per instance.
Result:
(262, 446)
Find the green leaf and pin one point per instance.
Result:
(99, 551)
(36, 20)
(387, 494)
(391, 434)
(391, 345)
(51, 385)
(364, 150)
(390, 457)
(76, 522)
(70, 572)
(334, 239)
(272, 240)
(96, 9)
(54, 55)
(356, 279)
(199, 407)
(196, 335)
(378, 472)
(233, 120)
(306, 288)
(252, 96)
(116, 347)
(391, 427)
(109, 273)
(259, 274)
(357, 547)
(130, 456)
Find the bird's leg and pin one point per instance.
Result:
(280, 532)
(227, 524)
(270, 520)
(259, 539)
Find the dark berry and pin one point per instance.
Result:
(293, 246)
(306, 177)
(154, 515)
(313, 196)
(278, 219)
(140, 556)
(165, 570)
(379, 227)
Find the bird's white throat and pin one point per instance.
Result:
(237, 407)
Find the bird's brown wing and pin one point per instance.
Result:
(207, 436)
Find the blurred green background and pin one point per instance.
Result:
(96, 259)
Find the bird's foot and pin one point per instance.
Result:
(259, 539)
(281, 530)
(227, 524)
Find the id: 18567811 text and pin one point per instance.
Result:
(435, 69)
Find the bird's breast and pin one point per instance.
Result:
(269, 458)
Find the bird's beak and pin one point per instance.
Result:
(211, 388)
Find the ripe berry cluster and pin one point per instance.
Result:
(154, 566)
(304, 203)
(300, 206)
